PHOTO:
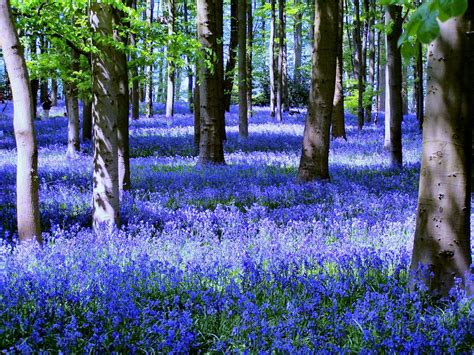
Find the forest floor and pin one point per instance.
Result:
(227, 258)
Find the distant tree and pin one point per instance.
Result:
(298, 39)
(442, 235)
(249, 57)
(169, 111)
(315, 152)
(242, 37)
(393, 87)
(231, 57)
(209, 28)
(281, 69)
(105, 89)
(272, 61)
(359, 65)
(27, 153)
(150, 9)
(72, 108)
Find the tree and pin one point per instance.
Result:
(72, 107)
(272, 62)
(171, 67)
(359, 65)
(298, 41)
(338, 126)
(105, 89)
(442, 235)
(315, 152)
(209, 28)
(150, 6)
(393, 89)
(27, 153)
(280, 72)
(230, 65)
(242, 38)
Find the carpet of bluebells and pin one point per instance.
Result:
(235, 258)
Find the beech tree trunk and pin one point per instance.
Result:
(72, 108)
(54, 92)
(371, 59)
(442, 235)
(298, 42)
(170, 88)
(393, 87)
(135, 91)
(150, 4)
(86, 120)
(419, 92)
(197, 119)
(315, 152)
(281, 61)
(27, 200)
(209, 28)
(105, 90)
(231, 59)
(243, 118)
(249, 57)
(338, 124)
(359, 65)
(271, 56)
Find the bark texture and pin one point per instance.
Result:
(209, 27)
(242, 25)
(393, 87)
(442, 235)
(231, 59)
(27, 200)
(87, 120)
(338, 124)
(105, 90)
(315, 152)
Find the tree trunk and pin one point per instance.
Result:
(442, 235)
(393, 88)
(189, 69)
(379, 85)
(230, 65)
(170, 88)
(249, 57)
(72, 108)
(280, 62)
(27, 200)
(359, 65)
(298, 42)
(54, 92)
(87, 120)
(34, 85)
(123, 117)
(315, 151)
(243, 118)
(209, 27)
(371, 69)
(271, 55)
(197, 119)
(419, 92)
(105, 89)
(219, 68)
(150, 4)
(134, 73)
(338, 125)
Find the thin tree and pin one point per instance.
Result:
(242, 27)
(105, 90)
(272, 61)
(298, 34)
(338, 124)
(170, 88)
(249, 57)
(315, 152)
(393, 87)
(72, 108)
(231, 58)
(442, 235)
(359, 64)
(150, 7)
(209, 28)
(27, 200)
(280, 62)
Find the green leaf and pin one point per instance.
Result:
(451, 8)
(429, 28)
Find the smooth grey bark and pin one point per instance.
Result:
(197, 119)
(189, 69)
(242, 38)
(54, 92)
(272, 61)
(135, 90)
(105, 90)
(209, 28)
(72, 108)
(338, 124)
(359, 64)
(171, 77)
(231, 58)
(393, 87)
(315, 151)
(442, 235)
(370, 83)
(27, 200)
